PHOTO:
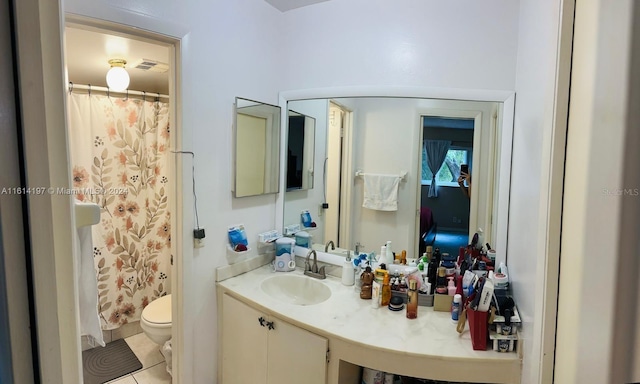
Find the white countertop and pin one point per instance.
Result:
(346, 316)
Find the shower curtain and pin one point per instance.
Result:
(119, 154)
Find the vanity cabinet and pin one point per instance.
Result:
(260, 348)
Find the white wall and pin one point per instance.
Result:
(534, 119)
(459, 44)
(464, 44)
(595, 341)
(229, 49)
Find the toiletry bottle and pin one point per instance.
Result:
(412, 300)
(375, 294)
(403, 283)
(451, 288)
(383, 256)
(386, 291)
(390, 256)
(441, 281)
(455, 307)
(348, 271)
(367, 281)
(432, 273)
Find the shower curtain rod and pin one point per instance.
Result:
(90, 88)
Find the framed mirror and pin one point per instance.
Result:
(388, 135)
(301, 131)
(256, 146)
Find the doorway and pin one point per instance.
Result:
(447, 156)
(129, 159)
(335, 165)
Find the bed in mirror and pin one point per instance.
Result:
(256, 148)
(388, 135)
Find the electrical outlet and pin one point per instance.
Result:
(198, 243)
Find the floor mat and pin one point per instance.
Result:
(104, 364)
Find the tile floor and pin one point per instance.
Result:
(154, 368)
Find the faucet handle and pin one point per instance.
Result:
(321, 272)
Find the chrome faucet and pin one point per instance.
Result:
(326, 247)
(312, 270)
(358, 247)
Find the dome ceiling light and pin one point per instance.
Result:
(117, 76)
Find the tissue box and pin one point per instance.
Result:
(442, 303)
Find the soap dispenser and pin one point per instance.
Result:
(348, 271)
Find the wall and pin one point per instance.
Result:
(221, 43)
(533, 124)
(596, 340)
(462, 44)
(336, 43)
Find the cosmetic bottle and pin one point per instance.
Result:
(432, 273)
(375, 294)
(390, 257)
(412, 300)
(441, 281)
(451, 287)
(367, 283)
(383, 255)
(386, 291)
(455, 307)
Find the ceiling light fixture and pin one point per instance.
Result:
(117, 76)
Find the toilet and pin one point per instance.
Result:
(156, 320)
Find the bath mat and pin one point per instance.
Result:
(104, 364)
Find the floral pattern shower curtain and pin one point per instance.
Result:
(119, 154)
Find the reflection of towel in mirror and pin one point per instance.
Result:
(381, 192)
(88, 288)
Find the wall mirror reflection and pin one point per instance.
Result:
(256, 148)
(433, 140)
(300, 151)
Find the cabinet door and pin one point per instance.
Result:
(244, 344)
(295, 355)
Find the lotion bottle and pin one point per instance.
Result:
(412, 300)
(451, 288)
(348, 271)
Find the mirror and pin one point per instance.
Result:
(300, 149)
(256, 148)
(387, 135)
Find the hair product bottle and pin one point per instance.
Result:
(386, 291)
(412, 300)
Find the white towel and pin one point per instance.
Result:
(381, 192)
(88, 287)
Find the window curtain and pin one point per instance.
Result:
(119, 153)
(436, 153)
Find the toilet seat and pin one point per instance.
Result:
(158, 312)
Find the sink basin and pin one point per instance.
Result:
(298, 290)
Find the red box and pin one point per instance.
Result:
(478, 326)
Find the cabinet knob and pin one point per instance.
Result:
(262, 321)
(270, 325)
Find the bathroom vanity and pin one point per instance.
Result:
(289, 328)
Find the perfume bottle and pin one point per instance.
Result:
(412, 300)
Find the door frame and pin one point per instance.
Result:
(175, 167)
(41, 82)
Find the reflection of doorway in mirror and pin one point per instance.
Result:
(334, 230)
(447, 146)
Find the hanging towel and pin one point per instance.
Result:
(88, 288)
(381, 192)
